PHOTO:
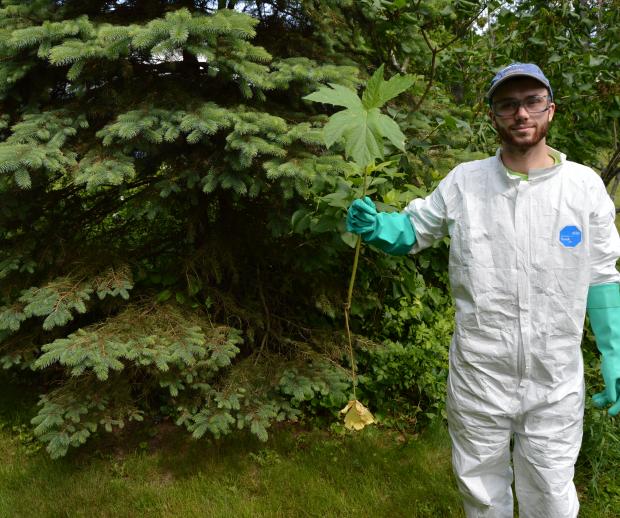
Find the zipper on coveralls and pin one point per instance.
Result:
(523, 262)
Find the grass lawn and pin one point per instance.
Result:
(294, 475)
(163, 473)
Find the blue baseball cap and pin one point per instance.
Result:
(519, 70)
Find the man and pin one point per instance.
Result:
(533, 242)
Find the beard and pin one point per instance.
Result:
(522, 144)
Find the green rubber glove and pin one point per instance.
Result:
(391, 232)
(604, 313)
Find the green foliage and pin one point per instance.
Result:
(151, 343)
(319, 384)
(405, 377)
(600, 451)
(11, 318)
(59, 300)
(173, 231)
(22, 160)
(362, 125)
(96, 171)
(55, 302)
(67, 420)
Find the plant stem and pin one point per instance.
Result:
(347, 306)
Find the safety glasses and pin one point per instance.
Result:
(532, 104)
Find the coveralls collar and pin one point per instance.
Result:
(534, 175)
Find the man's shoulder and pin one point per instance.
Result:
(580, 173)
(467, 176)
(577, 168)
(481, 166)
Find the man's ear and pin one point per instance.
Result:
(551, 111)
(492, 117)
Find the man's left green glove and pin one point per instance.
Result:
(604, 313)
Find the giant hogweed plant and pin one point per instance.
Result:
(362, 128)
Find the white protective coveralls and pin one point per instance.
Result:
(522, 257)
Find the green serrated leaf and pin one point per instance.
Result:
(383, 125)
(395, 86)
(378, 91)
(371, 98)
(341, 123)
(337, 95)
(361, 125)
(361, 144)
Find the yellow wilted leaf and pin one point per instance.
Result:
(357, 416)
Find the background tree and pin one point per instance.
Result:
(148, 177)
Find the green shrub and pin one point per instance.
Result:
(599, 457)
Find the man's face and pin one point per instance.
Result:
(522, 130)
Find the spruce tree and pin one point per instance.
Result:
(151, 157)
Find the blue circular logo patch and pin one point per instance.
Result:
(570, 236)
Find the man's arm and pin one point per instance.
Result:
(604, 313)
(421, 223)
(604, 297)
